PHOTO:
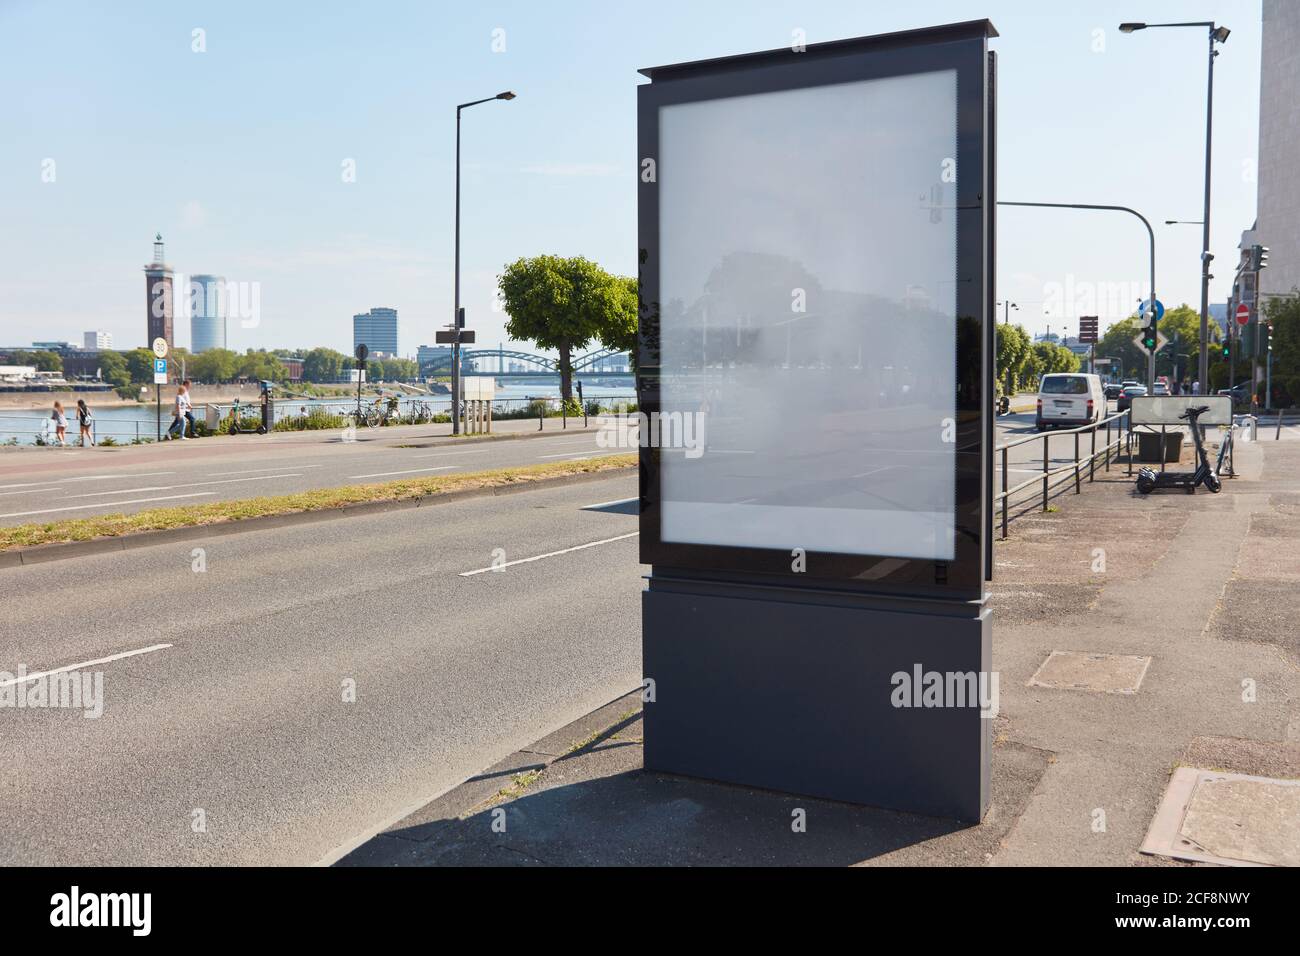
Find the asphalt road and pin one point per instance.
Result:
(49, 484)
(242, 716)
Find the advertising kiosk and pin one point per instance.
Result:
(815, 232)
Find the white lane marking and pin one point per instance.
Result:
(556, 443)
(253, 471)
(125, 474)
(729, 451)
(874, 471)
(569, 454)
(440, 454)
(105, 504)
(75, 667)
(26, 484)
(29, 491)
(549, 554)
(408, 471)
(189, 484)
(608, 504)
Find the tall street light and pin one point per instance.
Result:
(1151, 236)
(456, 321)
(1216, 34)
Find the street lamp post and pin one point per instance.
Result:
(455, 315)
(1217, 34)
(1151, 236)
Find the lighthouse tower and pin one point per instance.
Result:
(158, 296)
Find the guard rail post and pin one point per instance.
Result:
(1006, 499)
(1078, 484)
(1046, 440)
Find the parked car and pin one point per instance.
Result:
(1161, 388)
(1239, 393)
(1069, 399)
(1112, 389)
(1126, 397)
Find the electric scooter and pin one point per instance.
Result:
(1148, 479)
(236, 416)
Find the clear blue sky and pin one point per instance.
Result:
(236, 154)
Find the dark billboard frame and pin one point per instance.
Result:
(962, 48)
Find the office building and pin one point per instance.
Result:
(1278, 225)
(377, 330)
(208, 311)
(97, 340)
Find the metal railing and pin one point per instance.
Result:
(1050, 477)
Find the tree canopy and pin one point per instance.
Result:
(563, 304)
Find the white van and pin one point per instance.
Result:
(1070, 399)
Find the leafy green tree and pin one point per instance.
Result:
(46, 361)
(1012, 350)
(324, 365)
(1117, 344)
(261, 365)
(112, 369)
(620, 323)
(1283, 313)
(139, 362)
(214, 365)
(561, 304)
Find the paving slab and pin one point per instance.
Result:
(1227, 819)
(1102, 673)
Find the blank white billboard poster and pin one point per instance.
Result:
(807, 297)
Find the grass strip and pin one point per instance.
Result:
(320, 499)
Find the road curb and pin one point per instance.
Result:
(44, 553)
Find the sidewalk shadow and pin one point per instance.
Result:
(598, 807)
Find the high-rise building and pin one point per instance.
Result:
(208, 311)
(158, 296)
(434, 359)
(97, 340)
(377, 330)
(1278, 225)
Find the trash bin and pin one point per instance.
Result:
(1149, 446)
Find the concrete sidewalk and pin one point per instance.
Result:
(1172, 618)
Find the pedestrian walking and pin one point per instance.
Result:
(60, 424)
(84, 419)
(177, 428)
(1196, 387)
(189, 410)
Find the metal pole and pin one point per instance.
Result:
(1205, 241)
(1077, 476)
(1006, 500)
(1045, 441)
(1151, 236)
(455, 312)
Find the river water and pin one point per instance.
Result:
(139, 421)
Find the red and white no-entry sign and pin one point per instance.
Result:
(1243, 314)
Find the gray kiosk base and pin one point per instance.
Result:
(762, 686)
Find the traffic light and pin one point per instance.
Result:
(1149, 337)
(1270, 336)
(1225, 348)
(1259, 257)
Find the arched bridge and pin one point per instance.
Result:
(511, 363)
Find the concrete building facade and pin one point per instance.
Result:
(1278, 225)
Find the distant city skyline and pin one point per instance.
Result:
(331, 195)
